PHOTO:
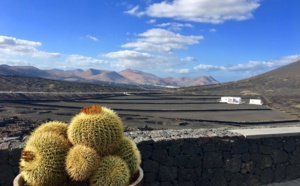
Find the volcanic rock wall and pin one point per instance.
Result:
(196, 157)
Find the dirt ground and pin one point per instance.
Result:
(154, 111)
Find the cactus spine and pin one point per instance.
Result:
(97, 127)
(52, 126)
(82, 162)
(112, 171)
(43, 159)
(129, 152)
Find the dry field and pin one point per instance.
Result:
(155, 111)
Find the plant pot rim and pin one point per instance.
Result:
(19, 181)
(139, 179)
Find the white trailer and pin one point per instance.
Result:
(255, 102)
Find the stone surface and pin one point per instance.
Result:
(196, 157)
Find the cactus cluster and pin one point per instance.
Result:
(90, 149)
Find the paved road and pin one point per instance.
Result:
(287, 183)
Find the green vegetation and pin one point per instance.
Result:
(297, 106)
(82, 162)
(97, 127)
(113, 170)
(52, 86)
(91, 149)
(43, 159)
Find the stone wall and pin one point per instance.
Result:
(197, 157)
(10, 153)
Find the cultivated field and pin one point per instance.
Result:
(155, 110)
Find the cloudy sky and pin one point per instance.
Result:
(227, 39)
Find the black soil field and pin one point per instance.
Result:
(149, 111)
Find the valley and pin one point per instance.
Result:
(151, 111)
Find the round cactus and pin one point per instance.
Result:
(113, 170)
(129, 152)
(82, 162)
(53, 126)
(43, 159)
(97, 127)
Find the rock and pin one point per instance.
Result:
(240, 147)
(212, 160)
(7, 175)
(167, 173)
(233, 165)
(237, 179)
(280, 156)
(150, 166)
(267, 176)
(4, 153)
(186, 174)
(289, 145)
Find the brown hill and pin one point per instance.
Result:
(186, 81)
(36, 84)
(129, 76)
(140, 77)
(108, 76)
(281, 81)
(280, 88)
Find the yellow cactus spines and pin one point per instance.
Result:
(97, 127)
(113, 171)
(82, 162)
(53, 126)
(129, 152)
(43, 159)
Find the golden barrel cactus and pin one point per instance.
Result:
(52, 126)
(97, 127)
(113, 171)
(82, 162)
(129, 152)
(43, 159)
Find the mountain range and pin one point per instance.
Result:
(281, 81)
(128, 76)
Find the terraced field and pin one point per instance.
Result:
(156, 110)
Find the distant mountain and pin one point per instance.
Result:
(23, 71)
(141, 77)
(104, 75)
(128, 76)
(7, 70)
(281, 81)
(186, 81)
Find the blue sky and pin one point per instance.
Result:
(227, 39)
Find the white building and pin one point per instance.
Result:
(231, 100)
(255, 102)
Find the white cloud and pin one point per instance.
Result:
(92, 37)
(205, 11)
(14, 46)
(14, 62)
(179, 71)
(252, 66)
(151, 21)
(135, 11)
(188, 59)
(174, 26)
(208, 67)
(83, 60)
(162, 41)
(212, 30)
(138, 60)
